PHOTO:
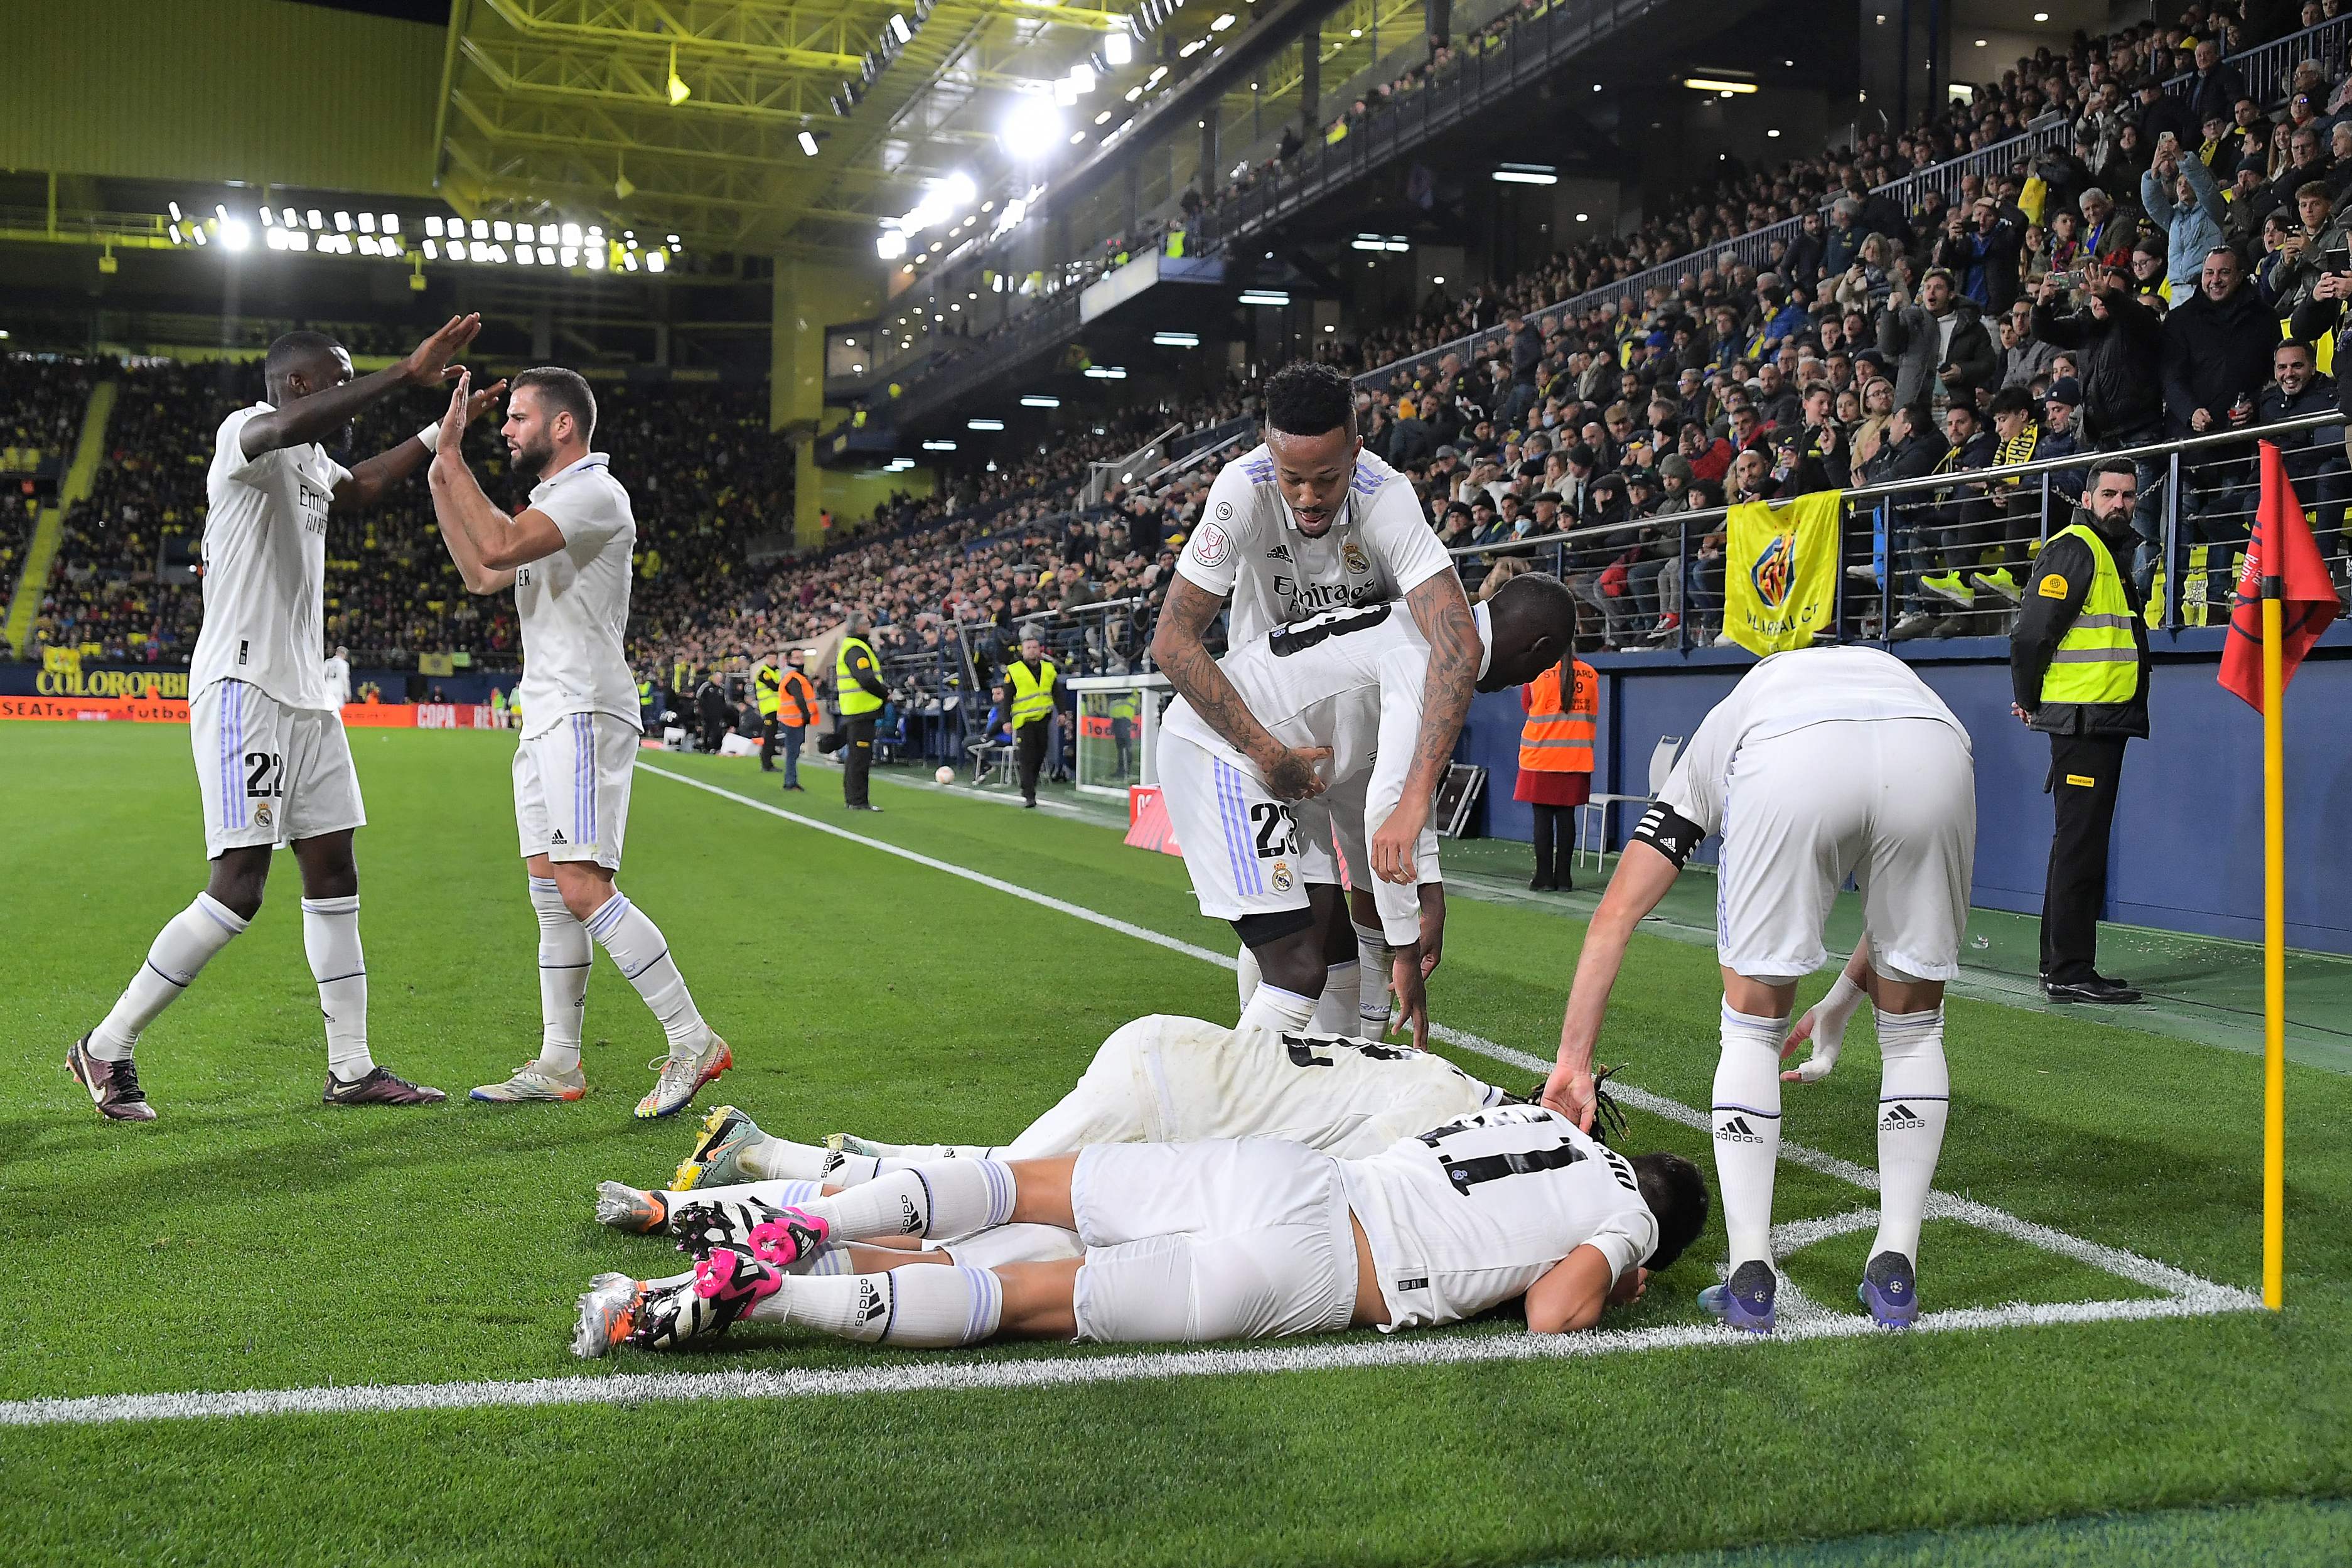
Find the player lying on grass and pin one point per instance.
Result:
(1823, 764)
(1248, 1238)
(1159, 1080)
(1343, 690)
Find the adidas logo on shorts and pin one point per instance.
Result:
(1901, 1115)
(559, 838)
(1737, 1131)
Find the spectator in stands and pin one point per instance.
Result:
(1938, 345)
(2315, 460)
(2217, 349)
(2119, 347)
(2181, 198)
(2162, 115)
(2024, 358)
(2307, 162)
(1958, 528)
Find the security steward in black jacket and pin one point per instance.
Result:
(2079, 672)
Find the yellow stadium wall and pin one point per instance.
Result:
(260, 91)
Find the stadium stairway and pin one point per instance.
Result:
(49, 528)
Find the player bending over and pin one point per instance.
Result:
(1249, 1238)
(1823, 764)
(1159, 1080)
(567, 558)
(1343, 690)
(272, 762)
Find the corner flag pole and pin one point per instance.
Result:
(2273, 941)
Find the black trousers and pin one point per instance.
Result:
(713, 732)
(856, 758)
(1554, 845)
(1030, 742)
(2083, 772)
(768, 743)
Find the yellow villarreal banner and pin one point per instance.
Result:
(1780, 572)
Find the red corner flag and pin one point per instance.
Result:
(2282, 548)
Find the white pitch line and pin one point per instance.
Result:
(1415, 1351)
(2114, 1260)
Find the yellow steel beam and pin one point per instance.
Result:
(566, 21)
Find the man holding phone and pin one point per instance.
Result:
(2118, 345)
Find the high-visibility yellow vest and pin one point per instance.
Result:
(854, 700)
(764, 682)
(1557, 735)
(2097, 660)
(1033, 695)
(645, 693)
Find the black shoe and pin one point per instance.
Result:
(1543, 884)
(1028, 805)
(873, 808)
(2096, 989)
(768, 768)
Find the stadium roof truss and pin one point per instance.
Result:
(567, 104)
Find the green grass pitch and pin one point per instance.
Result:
(254, 1239)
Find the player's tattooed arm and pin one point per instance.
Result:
(372, 478)
(317, 413)
(1443, 613)
(1183, 658)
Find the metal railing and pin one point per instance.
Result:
(1909, 550)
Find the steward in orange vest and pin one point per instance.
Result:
(1556, 761)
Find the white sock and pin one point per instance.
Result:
(1748, 1130)
(331, 936)
(775, 1194)
(922, 1308)
(179, 952)
(1284, 1012)
(1335, 1010)
(1246, 975)
(954, 1197)
(638, 946)
(565, 955)
(780, 1159)
(1373, 982)
(1914, 1098)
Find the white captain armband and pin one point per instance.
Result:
(1669, 833)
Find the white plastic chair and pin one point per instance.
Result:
(1662, 767)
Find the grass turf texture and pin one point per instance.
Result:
(254, 1238)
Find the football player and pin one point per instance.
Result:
(566, 557)
(1247, 1238)
(1823, 764)
(1345, 689)
(1304, 523)
(1162, 1078)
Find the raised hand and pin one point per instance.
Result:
(430, 364)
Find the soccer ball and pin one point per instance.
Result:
(945, 775)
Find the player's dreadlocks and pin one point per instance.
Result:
(1608, 1116)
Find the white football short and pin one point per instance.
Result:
(1248, 853)
(1890, 804)
(572, 788)
(1229, 1239)
(269, 775)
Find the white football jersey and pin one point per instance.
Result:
(1790, 691)
(1246, 545)
(265, 554)
(574, 604)
(1351, 679)
(1347, 1097)
(1469, 1214)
